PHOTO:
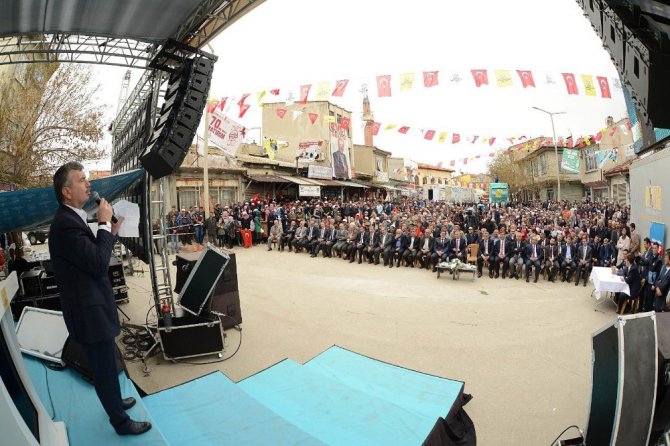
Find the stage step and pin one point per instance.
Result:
(212, 410)
(424, 394)
(335, 412)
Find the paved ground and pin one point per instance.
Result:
(522, 349)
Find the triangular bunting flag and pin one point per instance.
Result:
(275, 92)
(340, 86)
(243, 109)
(259, 96)
(313, 117)
(429, 135)
(390, 126)
(244, 97)
(329, 119)
(323, 91)
(281, 112)
(296, 114)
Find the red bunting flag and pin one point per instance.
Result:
(384, 85)
(465, 161)
(613, 131)
(481, 77)
(604, 87)
(492, 155)
(281, 112)
(429, 135)
(340, 86)
(452, 163)
(430, 79)
(492, 140)
(243, 109)
(212, 106)
(344, 123)
(375, 128)
(244, 97)
(304, 92)
(222, 103)
(312, 117)
(275, 92)
(455, 138)
(599, 136)
(570, 83)
(526, 78)
(403, 130)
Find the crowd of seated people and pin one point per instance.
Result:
(560, 241)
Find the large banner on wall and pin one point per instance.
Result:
(339, 149)
(309, 151)
(224, 132)
(570, 161)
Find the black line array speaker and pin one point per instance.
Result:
(623, 391)
(177, 122)
(74, 357)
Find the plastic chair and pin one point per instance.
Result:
(473, 250)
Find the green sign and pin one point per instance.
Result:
(498, 193)
(570, 161)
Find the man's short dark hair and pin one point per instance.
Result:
(61, 177)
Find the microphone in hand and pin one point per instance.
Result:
(96, 197)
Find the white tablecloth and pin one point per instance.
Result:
(604, 280)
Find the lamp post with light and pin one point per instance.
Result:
(558, 163)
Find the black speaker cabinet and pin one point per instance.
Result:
(74, 357)
(31, 282)
(191, 336)
(202, 280)
(227, 303)
(623, 388)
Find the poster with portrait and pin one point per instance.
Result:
(339, 150)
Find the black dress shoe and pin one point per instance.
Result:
(527, 279)
(479, 274)
(132, 427)
(127, 403)
(535, 280)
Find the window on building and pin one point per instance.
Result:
(425, 180)
(542, 168)
(432, 180)
(187, 197)
(439, 181)
(590, 163)
(416, 179)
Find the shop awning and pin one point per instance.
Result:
(297, 180)
(334, 183)
(267, 179)
(366, 184)
(596, 184)
(352, 184)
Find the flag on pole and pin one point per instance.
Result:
(304, 92)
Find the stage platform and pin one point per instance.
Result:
(337, 398)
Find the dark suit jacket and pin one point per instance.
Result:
(539, 252)
(547, 252)
(403, 243)
(663, 280)
(580, 253)
(431, 243)
(462, 246)
(520, 251)
(605, 253)
(388, 241)
(493, 252)
(632, 278)
(414, 245)
(81, 262)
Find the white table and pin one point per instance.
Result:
(606, 284)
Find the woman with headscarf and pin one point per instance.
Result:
(622, 244)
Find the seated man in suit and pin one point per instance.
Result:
(326, 244)
(517, 256)
(502, 251)
(300, 234)
(384, 245)
(551, 259)
(359, 244)
(287, 236)
(275, 234)
(606, 254)
(310, 236)
(350, 241)
(340, 240)
(535, 256)
(487, 254)
(426, 245)
(440, 250)
(412, 251)
(319, 239)
(373, 241)
(584, 259)
(568, 255)
(398, 247)
(632, 278)
(457, 247)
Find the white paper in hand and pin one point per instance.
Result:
(131, 215)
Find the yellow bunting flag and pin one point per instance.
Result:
(390, 126)
(329, 119)
(259, 96)
(407, 81)
(323, 91)
(503, 78)
(589, 87)
(442, 137)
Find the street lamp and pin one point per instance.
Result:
(558, 166)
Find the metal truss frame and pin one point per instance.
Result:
(75, 48)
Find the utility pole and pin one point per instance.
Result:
(558, 162)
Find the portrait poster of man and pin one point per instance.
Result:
(339, 148)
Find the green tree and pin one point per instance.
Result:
(508, 171)
(47, 118)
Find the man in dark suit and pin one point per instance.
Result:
(517, 254)
(80, 262)
(426, 245)
(662, 285)
(398, 247)
(359, 245)
(318, 240)
(502, 254)
(384, 245)
(440, 250)
(606, 254)
(551, 256)
(327, 243)
(584, 259)
(373, 241)
(457, 247)
(568, 256)
(412, 250)
(487, 254)
(535, 257)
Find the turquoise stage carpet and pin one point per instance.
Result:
(337, 398)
